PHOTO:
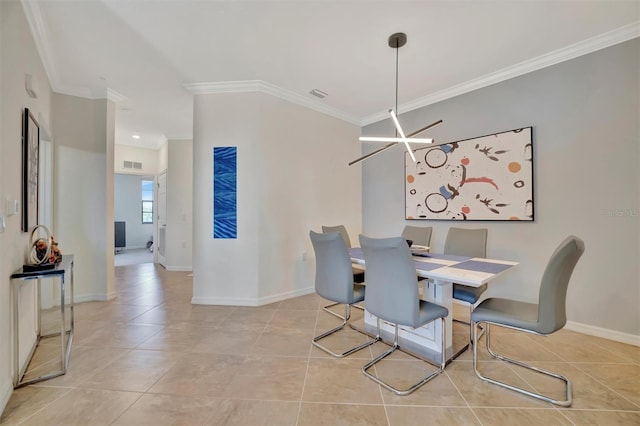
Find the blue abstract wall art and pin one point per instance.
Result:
(225, 206)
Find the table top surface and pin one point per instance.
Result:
(473, 271)
(60, 269)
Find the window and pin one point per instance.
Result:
(147, 201)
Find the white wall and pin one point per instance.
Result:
(148, 157)
(108, 249)
(179, 205)
(18, 56)
(83, 204)
(225, 271)
(585, 117)
(163, 158)
(292, 177)
(128, 208)
(304, 182)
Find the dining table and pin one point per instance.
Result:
(440, 271)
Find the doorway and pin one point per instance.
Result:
(133, 216)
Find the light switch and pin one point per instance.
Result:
(2, 223)
(13, 207)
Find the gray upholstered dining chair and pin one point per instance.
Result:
(544, 318)
(467, 242)
(392, 296)
(334, 281)
(358, 272)
(420, 235)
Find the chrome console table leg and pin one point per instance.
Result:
(66, 336)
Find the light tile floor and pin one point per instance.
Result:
(133, 257)
(149, 357)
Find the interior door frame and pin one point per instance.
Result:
(160, 252)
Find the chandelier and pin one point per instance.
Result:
(396, 41)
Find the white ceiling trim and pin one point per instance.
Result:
(270, 89)
(80, 92)
(40, 34)
(41, 39)
(179, 137)
(112, 95)
(83, 92)
(590, 45)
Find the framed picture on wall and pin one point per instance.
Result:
(30, 150)
(484, 178)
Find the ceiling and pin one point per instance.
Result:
(144, 54)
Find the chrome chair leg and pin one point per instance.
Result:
(394, 347)
(345, 319)
(469, 324)
(568, 388)
(335, 314)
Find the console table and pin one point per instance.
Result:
(58, 273)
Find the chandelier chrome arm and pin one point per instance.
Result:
(364, 157)
(403, 140)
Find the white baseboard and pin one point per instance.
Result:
(237, 301)
(285, 296)
(93, 297)
(179, 268)
(591, 330)
(5, 395)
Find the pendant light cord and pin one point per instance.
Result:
(397, 52)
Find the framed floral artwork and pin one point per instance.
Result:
(30, 163)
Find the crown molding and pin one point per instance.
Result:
(223, 87)
(620, 35)
(40, 34)
(112, 95)
(270, 89)
(154, 144)
(80, 92)
(83, 92)
(179, 138)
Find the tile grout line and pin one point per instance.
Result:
(607, 386)
(575, 365)
(462, 396)
(306, 373)
(69, 389)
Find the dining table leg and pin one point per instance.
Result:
(441, 292)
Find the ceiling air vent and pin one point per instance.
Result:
(318, 93)
(133, 165)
